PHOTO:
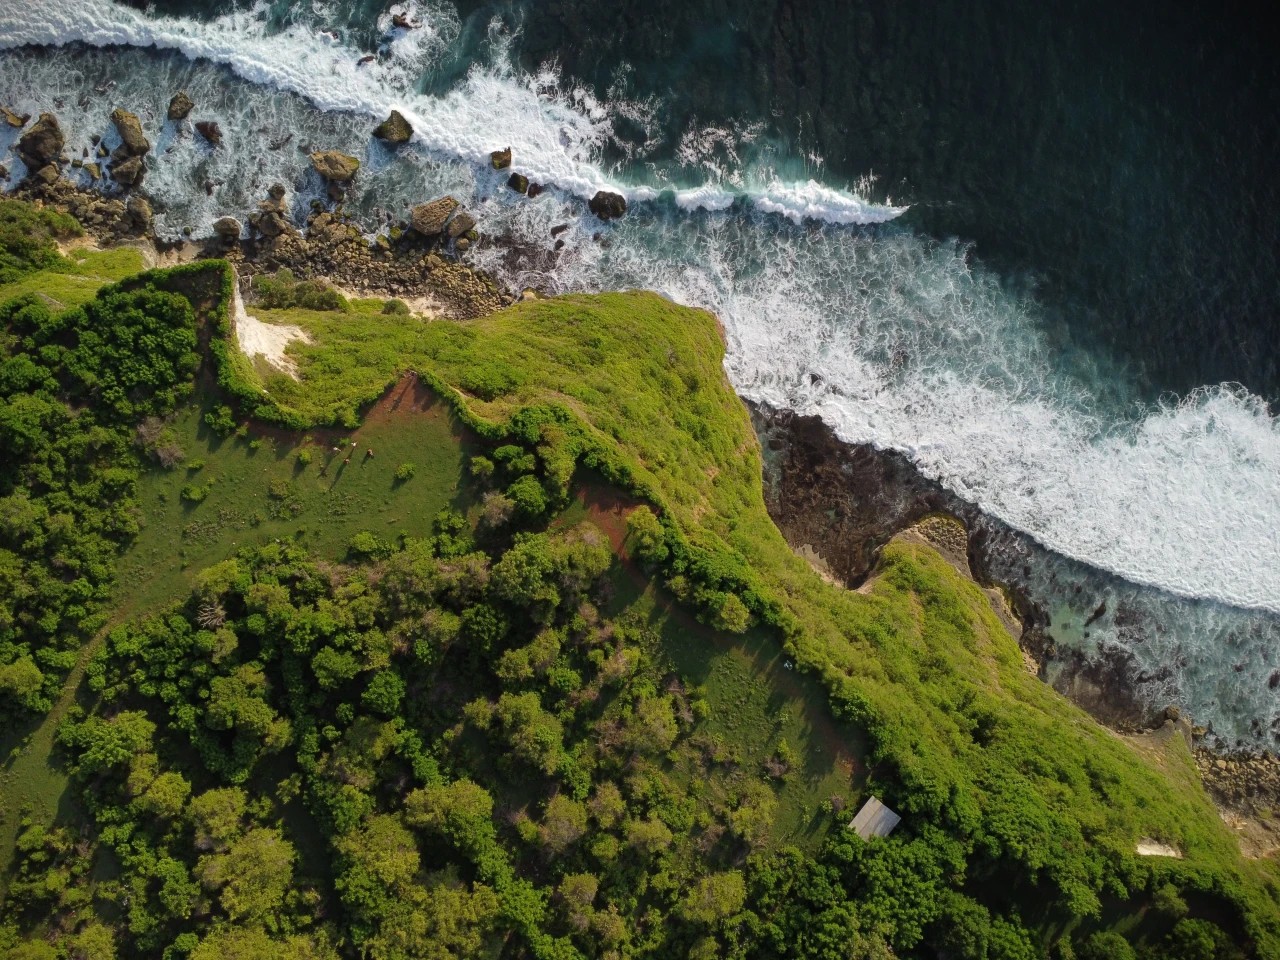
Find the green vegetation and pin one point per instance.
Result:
(533, 695)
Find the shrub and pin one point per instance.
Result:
(528, 498)
(395, 308)
(194, 493)
(489, 381)
(304, 456)
(220, 420)
(405, 472)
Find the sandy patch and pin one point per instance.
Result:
(1151, 848)
(266, 340)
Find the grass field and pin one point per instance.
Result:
(258, 490)
(78, 279)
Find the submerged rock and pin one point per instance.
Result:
(394, 130)
(607, 205)
(130, 129)
(180, 106)
(429, 218)
(501, 159)
(210, 131)
(518, 182)
(334, 166)
(43, 143)
(536, 190)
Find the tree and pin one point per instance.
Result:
(646, 540)
(107, 744)
(217, 817)
(563, 822)
(714, 898)
(252, 875)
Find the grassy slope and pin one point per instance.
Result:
(921, 658)
(77, 280)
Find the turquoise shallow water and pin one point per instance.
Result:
(1049, 329)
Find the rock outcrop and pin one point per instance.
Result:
(210, 131)
(501, 159)
(43, 143)
(128, 172)
(335, 166)
(228, 229)
(429, 219)
(180, 106)
(394, 130)
(461, 224)
(140, 214)
(607, 205)
(133, 141)
(518, 182)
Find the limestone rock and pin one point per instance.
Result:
(462, 245)
(180, 106)
(429, 218)
(210, 131)
(130, 129)
(518, 182)
(93, 170)
(462, 223)
(43, 143)
(228, 228)
(608, 206)
(15, 120)
(48, 174)
(128, 172)
(334, 166)
(394, 130)
(501, 159)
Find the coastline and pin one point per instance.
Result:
(836, 504)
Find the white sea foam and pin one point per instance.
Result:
(556, 133)
(894, 340)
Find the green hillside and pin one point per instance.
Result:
(477, 640)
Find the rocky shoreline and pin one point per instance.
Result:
(838, 504)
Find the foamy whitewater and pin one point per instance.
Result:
(830, 307)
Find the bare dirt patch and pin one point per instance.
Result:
(267, 340)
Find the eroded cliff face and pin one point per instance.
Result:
(838, 504)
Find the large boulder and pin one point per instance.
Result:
(394, 130)
(429, 218)
(462, 223)
(228, 228)
(128, 172)
(334, 166)
(608, 206)
(130, 129)
(15, 120)
(43, 143)
(210, 131)
(139, 213)
(181, 106)
(518, 182)
(501, 159)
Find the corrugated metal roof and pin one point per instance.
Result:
(875, 820)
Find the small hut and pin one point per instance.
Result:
(875, 820)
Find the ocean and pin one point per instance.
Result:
(1034, 251)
